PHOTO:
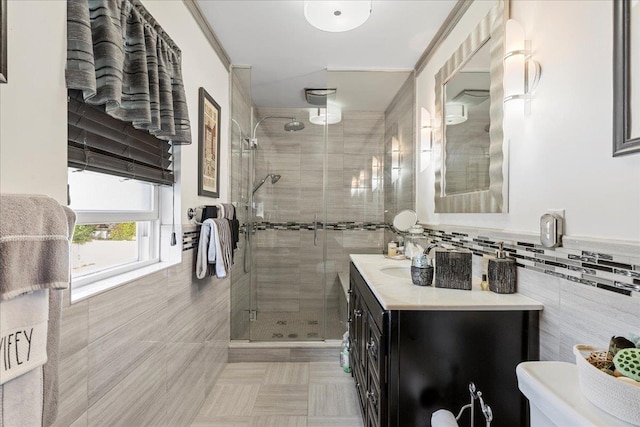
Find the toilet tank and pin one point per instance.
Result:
(555, 398)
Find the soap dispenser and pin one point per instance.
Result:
(502, 273)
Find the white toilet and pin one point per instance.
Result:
(555, 398)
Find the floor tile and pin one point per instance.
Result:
(287, 373)
(228, 421)
(334, 422)
(282, 400)
(230, 399)
(243, 373)
(328, 373)
(278, 421)
(333, 400)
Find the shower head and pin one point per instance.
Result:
(294, 126)
(274, 178)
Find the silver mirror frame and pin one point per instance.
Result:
(622, 142)
(495, 199)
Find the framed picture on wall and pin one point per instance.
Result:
(3, 41)
(208, 146)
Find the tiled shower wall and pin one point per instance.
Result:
(144, 353)
(399, 154)
(288, 264)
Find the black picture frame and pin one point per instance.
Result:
(622, 115)
(208, 145)
(3, 41)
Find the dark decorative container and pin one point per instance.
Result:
(453, 269)
(421, 270)
(502, 273)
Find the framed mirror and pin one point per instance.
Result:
(626, 77)
(469, 109)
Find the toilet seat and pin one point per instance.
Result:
(555, 397)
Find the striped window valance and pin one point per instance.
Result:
(119, 57)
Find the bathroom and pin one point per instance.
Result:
(152, 350)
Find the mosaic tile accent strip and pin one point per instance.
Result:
(331, 226)
(605, 271)
(190, 238)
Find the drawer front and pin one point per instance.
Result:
(375, 402)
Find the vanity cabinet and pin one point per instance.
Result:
(408, 363)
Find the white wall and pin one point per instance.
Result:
(33, 113)
(560, 154)
(33, 105)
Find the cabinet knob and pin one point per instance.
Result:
(357, 313)
(371, 346)
(372, 396)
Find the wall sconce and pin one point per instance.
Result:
(395, 159)
(521, 73)
(426, 137)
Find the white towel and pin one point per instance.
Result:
(202, 262)
(23, 334)
(215, 252)
(443, 418)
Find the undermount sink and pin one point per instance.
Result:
(402, 272)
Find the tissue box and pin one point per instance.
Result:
(453, 269)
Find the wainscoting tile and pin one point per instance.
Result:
(139, 399)
(186, 314)
(287, 373)
(116, 356)
(73, 402)
(74, 329)
(333, 400)
(185, 382)
(216, 358)
(282, 400)
(227, 399)
(116, 307)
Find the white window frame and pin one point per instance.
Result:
(106, 217)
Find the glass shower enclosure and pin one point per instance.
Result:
(282, 287)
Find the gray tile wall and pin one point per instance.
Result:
(144, 353)
(288, 266)
(399, 124)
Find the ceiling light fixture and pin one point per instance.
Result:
(330, 115)
(337, 16)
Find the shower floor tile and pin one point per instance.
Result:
(295, 326)
(311, 394)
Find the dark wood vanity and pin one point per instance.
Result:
(409, 362)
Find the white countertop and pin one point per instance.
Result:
(399, 293)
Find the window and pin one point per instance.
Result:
(117, 228)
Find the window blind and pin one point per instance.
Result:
(101, 143)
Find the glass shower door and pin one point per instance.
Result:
(289, 245)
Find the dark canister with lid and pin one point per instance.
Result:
(502, 273)
(421, 270)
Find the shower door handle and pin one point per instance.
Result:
(315, 229)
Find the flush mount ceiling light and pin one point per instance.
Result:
(330, 115)
(337, 16)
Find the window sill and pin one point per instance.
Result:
(104, 285)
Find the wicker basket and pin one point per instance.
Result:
(614, 396)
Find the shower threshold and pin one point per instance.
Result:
(284, 351)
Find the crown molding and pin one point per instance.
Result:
(202, 22)
(449, 23)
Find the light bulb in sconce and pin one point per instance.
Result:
(395, 159)
(521, 72)
(426, 138)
